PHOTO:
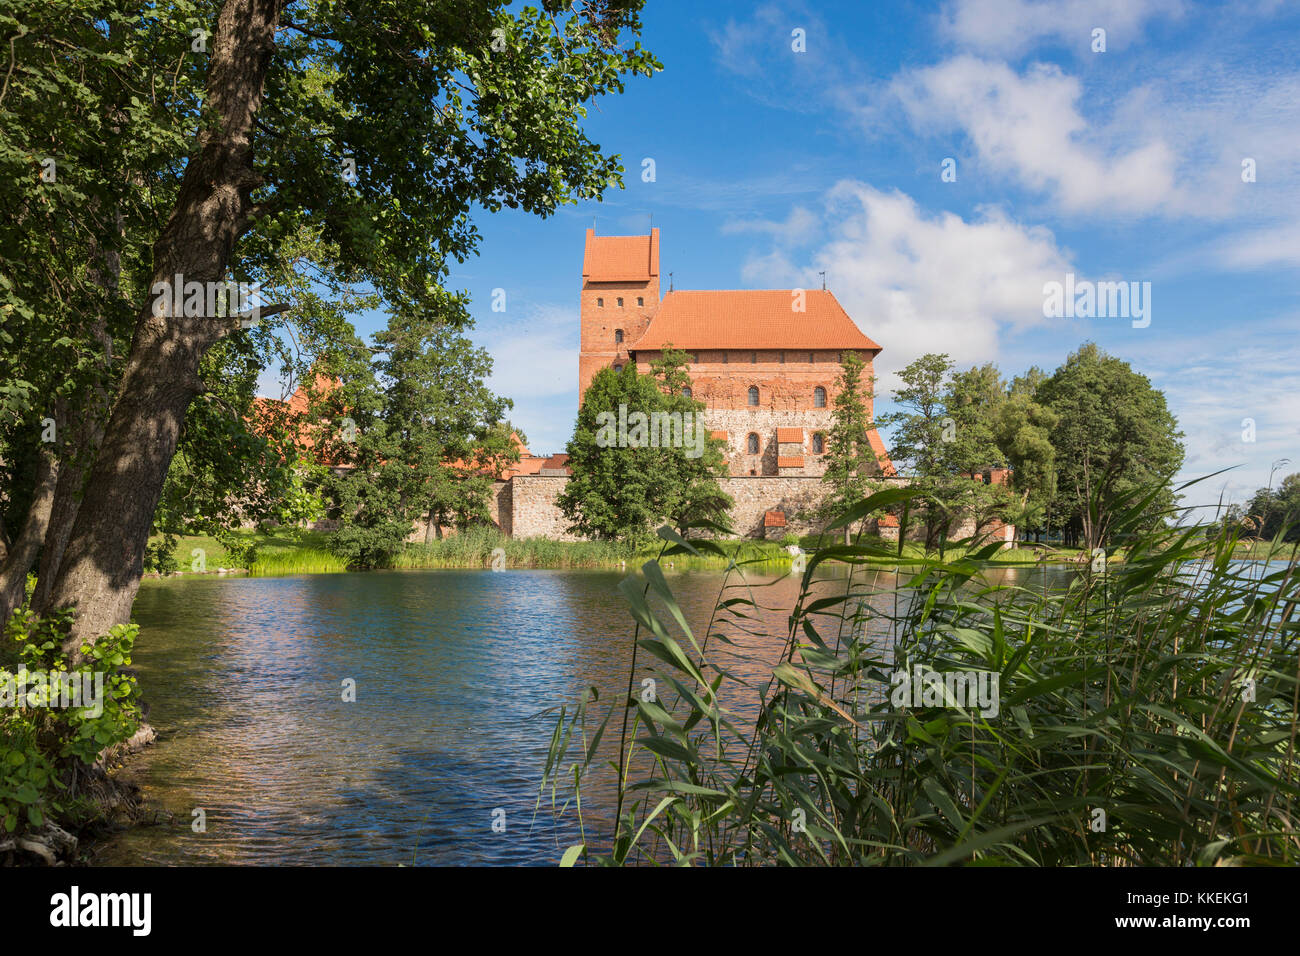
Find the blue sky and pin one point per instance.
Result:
(772, 165)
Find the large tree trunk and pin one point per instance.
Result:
(19, 560)
(103, 562)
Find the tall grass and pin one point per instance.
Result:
(1147, 715)
(296, 561)
(473, 548)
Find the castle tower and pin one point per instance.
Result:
(620, 295)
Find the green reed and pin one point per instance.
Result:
(1147, 715)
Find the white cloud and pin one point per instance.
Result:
(1171, 145)
(1009, 27)
(1272, 246)
(535, 363)
(800, 225)
(1029, 126)
(918, 283)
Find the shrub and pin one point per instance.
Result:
(37, 741)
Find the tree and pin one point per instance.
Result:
(1024, 435)
(1271, 512)
(196, 154)
(1113, 434)
(429, 443)
(922, 429)
(626, 477)
(974, 401)
(851, 462)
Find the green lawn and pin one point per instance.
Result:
(307, 552)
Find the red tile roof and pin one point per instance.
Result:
(789, 436)
(882, 456)
(752, 319)
(620, 258)
(887, 521)
(721, 435)
(774, 519)
(794, 461)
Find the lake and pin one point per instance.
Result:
(244, 677)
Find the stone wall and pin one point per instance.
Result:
(533, 512)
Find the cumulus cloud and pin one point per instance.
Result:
(1009, 27)
(921, 283)
(535, 363)
(1029, 126)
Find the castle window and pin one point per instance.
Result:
(819, 397)
(753, 394)
(725, 357)
(686, 390)
(600, 303)
(751, 443)
(819, 443)
(618, 336)
(782, 358)
(753, 358)
(811, 359)
(640, 300)
(618, 368)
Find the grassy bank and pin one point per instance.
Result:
(307, 552)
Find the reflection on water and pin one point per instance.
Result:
(245, 679)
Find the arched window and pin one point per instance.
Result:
(819, 443)
(618, 368)
(640, 300)
(618, 336)
(686, 390)
(620, 302)
(600, 303)
(753, 394)
(819, 397)
(751, 443)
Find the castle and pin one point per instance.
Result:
(765, 364)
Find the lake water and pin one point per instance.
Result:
(244, 678)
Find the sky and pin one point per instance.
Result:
(772, 164)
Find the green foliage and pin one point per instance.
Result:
(422, 435)
(37, 740)
(1271, 512)
(619, 491)
(1123, 689)
(443, 107)
(1113, 433)
(850, 460)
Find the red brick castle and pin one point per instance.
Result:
(764, 362)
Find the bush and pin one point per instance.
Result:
(38, 741)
